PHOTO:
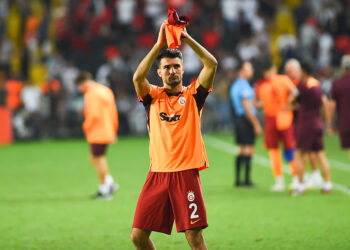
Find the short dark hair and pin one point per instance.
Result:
(306, 67)
(168, 53)
(265, 65)
(83, 76)
(240, 64)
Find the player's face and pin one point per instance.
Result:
(248, 69)
(171, 71)
(292, 72)
(82, 87)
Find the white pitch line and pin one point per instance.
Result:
(260, 160)
(339, 165)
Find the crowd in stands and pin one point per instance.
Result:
(45, 43)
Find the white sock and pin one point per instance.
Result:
(103, 188)
(316, 174)
(301, 187)
(295, 179)
(327, 185)
(280, 180)
(109, 180)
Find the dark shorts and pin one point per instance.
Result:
(244, 131)
(309, 135)
(98, 149)
(273, 136)
(169, 196)
(345, 139)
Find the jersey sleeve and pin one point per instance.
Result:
(153, 93)
(245, 92)
(199, 93)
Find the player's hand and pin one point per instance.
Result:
(257, 129)
(161, 41)
(184, 33)
(288, 107)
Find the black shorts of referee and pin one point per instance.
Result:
(244, 131)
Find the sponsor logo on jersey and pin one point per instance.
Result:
(169, 118)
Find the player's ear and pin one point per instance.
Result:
(159, 72)
(183, 69)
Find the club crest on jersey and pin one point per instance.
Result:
(182, 100)
(190, 196)
(169, 118)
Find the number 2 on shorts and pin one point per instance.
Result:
(193, 214)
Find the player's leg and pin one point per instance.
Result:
(195, 239)
(300, 162)
(277, 169)
(288, 139)
(315, 179)
(271, 140)
(141, 239)
(248, 151)
(99, 161)
(100, 165)
(327, 187)
(238, 165)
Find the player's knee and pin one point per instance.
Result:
(138, 238)
(195, 238)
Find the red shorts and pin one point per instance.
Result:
(169, 196)
(98, 149)
(273, 136)
(345, 139)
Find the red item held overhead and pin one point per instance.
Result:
(174, 27)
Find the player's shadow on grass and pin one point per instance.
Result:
(45, 198)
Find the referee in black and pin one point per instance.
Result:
(246, 124)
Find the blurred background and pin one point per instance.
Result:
(45, 43)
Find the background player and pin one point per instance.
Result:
(172, 189)
(309, 129)
(340, 101)
(276, 93)
(246, 124)
(294, 72)
(100, 126)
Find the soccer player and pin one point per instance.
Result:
(309, 128)
(276, 93)
(100, 126)
(340, 101)
(294, 72)
(177, 153)
(246, 124)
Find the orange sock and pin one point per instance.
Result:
(293, 168)
(276, 162)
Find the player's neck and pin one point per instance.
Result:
(173, 89)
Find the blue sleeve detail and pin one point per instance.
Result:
(289, 154)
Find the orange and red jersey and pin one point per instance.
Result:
(273, 93)
(174, 123)
(101, 115)
(13, 99)
(52, 85)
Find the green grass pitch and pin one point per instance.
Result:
(45, 188)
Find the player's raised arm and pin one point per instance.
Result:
(141, 83)
(207, 74)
